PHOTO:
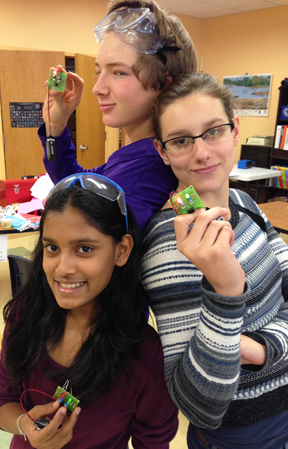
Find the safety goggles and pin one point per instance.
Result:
(135, 28)
(98, 184)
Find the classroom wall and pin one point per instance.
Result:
(253, 42)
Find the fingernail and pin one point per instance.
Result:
(63, 410)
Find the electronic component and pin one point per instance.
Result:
(57, 80)
(66, 399)
(41, 423)
(186, 202)
(50, 148)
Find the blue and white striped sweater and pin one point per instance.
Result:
(200, 330)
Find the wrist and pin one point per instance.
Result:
(21, 432)
(54, 131)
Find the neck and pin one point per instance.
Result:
(140, 131)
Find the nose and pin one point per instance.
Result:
(201, 150)
(101, 87)
(65, 265)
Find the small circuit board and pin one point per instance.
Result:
(57, 80)
(66, 399)
(186, 202)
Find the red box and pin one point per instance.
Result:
(15, 191)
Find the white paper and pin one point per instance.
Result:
(3, 247)
(42, 187)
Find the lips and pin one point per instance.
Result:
(106, 107)
(206, 170)
(64, 287)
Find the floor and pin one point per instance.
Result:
(27, 240)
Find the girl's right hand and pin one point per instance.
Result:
(208, 247)
(61, 104)
(53, 436)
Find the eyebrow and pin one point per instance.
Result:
(83, 240)
(114, 64)
(183, 131)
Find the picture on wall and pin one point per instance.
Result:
(251, 94)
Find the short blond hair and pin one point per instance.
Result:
(171, 30)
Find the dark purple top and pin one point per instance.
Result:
(137, 168)
(137, 405)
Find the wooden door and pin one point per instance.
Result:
(22, 76)
(90, 131)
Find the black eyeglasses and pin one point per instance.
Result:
(98, 184)
(213, 135)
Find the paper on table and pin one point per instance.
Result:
(3, 247)
(30, 206)
(42, 187)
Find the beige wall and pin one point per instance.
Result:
(252, 42)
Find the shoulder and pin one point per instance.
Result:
(150, 348)
(160, 227)
(243, 199)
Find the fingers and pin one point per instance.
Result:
(205, 226)
(58, 432)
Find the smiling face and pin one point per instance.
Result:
(122, 98)
(79, 260)
(206, 166)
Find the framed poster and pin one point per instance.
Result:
(251, 94)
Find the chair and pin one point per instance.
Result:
(19, 271)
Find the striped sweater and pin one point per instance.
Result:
(200, 329)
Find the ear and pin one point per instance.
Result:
(169, 78)
(123, 250)
(236, 130)
(162, 152)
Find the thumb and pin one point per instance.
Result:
(42, 410)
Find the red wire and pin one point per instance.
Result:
(49, 113)
(37, 391)
(170, 200)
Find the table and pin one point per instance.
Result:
(277, 214)
(253, 174)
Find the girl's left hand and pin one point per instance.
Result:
(252, 352)
(208, 247)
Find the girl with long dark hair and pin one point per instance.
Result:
(78, 320)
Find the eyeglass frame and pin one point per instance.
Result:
(79, 177)
(163, 144)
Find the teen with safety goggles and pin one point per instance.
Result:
(141, 50)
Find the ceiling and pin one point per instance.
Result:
(213, 8)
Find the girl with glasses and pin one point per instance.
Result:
(78, 320)
(218, 288)
(142, 48)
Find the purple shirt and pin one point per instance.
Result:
(138, 403)
(137, 168)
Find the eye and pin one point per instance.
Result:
(84, 249)
(181, 141)
(119, 73)
(50, 248)
(212, 132)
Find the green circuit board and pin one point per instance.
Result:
(57, 80)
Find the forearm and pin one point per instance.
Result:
(9, 414)
(210, 363)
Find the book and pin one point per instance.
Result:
(285, 146)
(283, 137)
(278, 136)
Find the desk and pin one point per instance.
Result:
(253, 174)
(277, 214)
